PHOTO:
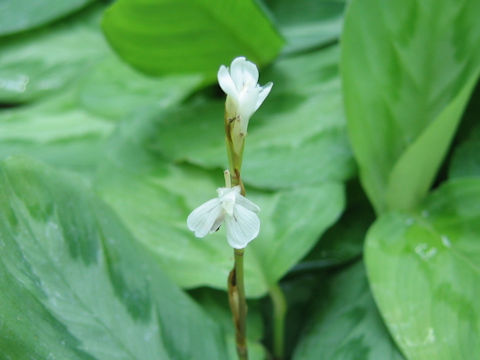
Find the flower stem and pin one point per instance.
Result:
(238, 304)
(236, 286)
(279, 312)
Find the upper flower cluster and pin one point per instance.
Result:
(238, 213)
(244, 94)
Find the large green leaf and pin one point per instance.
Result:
(408, 68)
(75, 285)
(154, 199)
(306, 24)
(345, 324)
(297, 137)
(424, 271)
(45, 62)
(21, 15)
(189, 36)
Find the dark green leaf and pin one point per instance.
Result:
(466, 157)
(180, 36)
(21, 15)
(75, 285)
(215, 304)
(307, 23)
(424, 272)
(345, 324)
(343, 241)
(408, 68)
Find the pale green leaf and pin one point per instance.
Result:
(21, 15)
(56, 58)
(76, 285)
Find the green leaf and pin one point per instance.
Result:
(69, 130)
(39, 63)
(21, 15)
(345, 323)
(46, 62)
(75, 285)
(297, 137)
(424, 272)
(343, 242)
(57, 131)
(172, 36)
(408, 69)
(215, 304)
(466, 160)
(306, 24)
(154, 199)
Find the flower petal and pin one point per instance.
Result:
(250, 73)
(236, 71)
(263, 93)
(242, 227)
(247, 204)
(246, 108)
(205, 218)
(226, 83)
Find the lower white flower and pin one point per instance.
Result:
(237, 212)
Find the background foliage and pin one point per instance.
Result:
(364, 159)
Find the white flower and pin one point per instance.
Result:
(238, 213)
(244, 95)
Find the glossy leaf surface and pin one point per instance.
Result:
(172, 36)
(424, 272)
(75, 285)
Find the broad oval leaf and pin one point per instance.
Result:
(408, 68)
(345, 323)
(76, 285)
(424, 271)
(21, 15)
(180, 36)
